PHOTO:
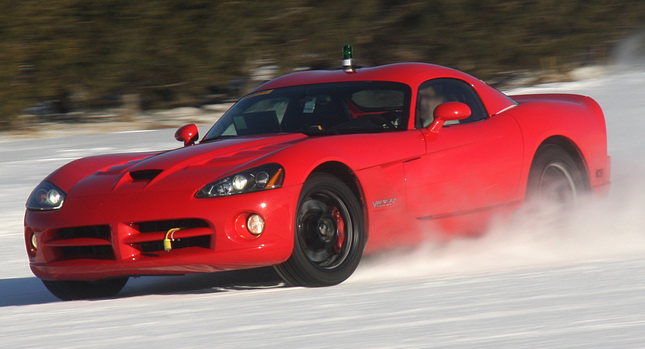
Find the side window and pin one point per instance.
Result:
(434, 92)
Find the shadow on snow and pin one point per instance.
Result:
(30, 291)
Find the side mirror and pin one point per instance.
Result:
(187, 134)
(448, 111)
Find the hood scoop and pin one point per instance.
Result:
(144, 175)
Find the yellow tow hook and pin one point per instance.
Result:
(167, 244)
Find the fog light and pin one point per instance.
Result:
(255, 224)
(34, 241)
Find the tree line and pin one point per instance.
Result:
(84, 54)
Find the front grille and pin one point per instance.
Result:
(96, 242)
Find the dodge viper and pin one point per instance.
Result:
(310, 171)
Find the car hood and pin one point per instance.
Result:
(181, 169)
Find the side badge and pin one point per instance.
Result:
(384, 203)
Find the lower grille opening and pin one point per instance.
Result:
(84, 252)
(89, 242)
(191, 233)
(156, 246)
(95, 231)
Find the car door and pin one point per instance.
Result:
(467, 167)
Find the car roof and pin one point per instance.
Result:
(412, 74)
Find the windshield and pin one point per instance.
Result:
(333, 108)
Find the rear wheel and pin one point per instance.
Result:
(329, 235)
(71, 290)
(555, 180)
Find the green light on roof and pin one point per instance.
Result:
(347, 52)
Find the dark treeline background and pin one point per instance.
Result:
(86, 54)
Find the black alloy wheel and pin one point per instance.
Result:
(329, 235)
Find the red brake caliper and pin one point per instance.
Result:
(340, 224)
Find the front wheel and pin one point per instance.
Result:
(329, 235)
(71, 290)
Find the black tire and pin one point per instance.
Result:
(555, 180)
(329, 235)
(71, 290)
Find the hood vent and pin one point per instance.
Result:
(144, 175)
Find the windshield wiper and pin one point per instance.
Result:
(217, 138)
(317, 132)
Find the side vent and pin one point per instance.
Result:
(144, 175)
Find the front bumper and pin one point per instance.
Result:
(94, 238)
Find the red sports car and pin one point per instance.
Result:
(308, 172)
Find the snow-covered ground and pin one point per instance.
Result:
(578, 281)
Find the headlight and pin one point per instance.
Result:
(265, 177)
(46, 196)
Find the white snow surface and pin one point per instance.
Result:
(572, 282)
